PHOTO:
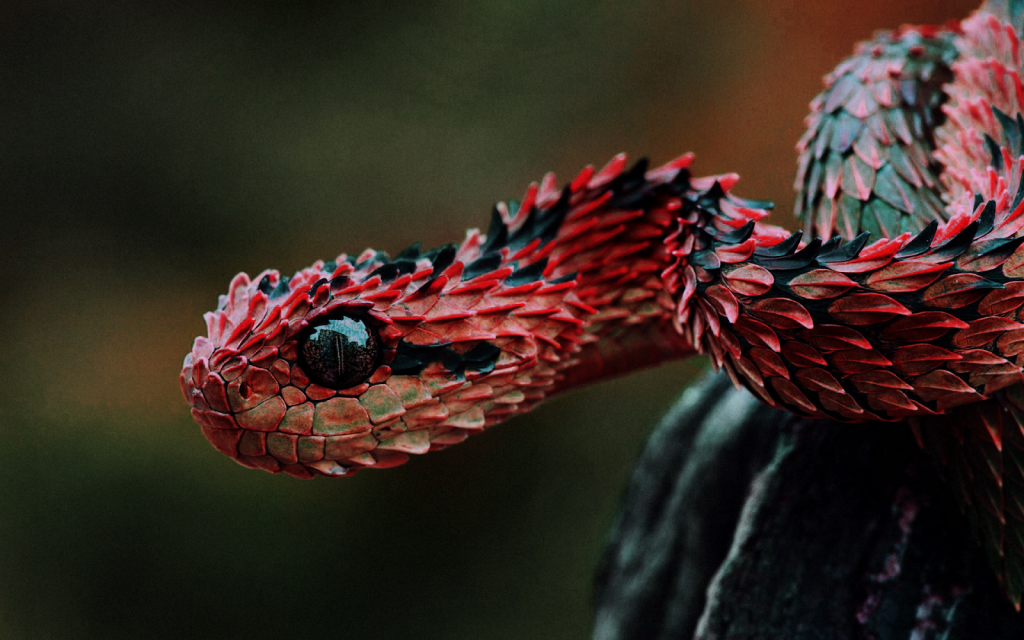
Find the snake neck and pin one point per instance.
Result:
(917, 140)
(630, 246)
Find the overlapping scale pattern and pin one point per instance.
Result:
(564, 288)
(906, 326)
(980, 447)
(914, 155)
(866, 159)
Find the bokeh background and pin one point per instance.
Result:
(151, 150)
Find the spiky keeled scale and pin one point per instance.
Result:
(866, 159)
(624, 268)
(974, 137)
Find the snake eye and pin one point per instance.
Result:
(340, 352)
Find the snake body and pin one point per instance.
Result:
(901, 300)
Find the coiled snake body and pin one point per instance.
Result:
(900, 301)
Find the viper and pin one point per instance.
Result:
(900, 300)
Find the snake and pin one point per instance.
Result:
(900, 300)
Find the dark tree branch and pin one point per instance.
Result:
(744, 522)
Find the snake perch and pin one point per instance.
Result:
(901, 300)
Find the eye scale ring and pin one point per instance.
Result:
(340, 352)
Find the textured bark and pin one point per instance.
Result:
(679, 513)
(744, 522)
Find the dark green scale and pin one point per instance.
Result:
(872, 132)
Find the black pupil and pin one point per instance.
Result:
(340, 353)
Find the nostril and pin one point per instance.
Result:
(244, 390)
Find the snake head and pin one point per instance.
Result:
(360, 361)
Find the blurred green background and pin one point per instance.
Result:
(151, 150)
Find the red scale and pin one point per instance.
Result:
(916, 141)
